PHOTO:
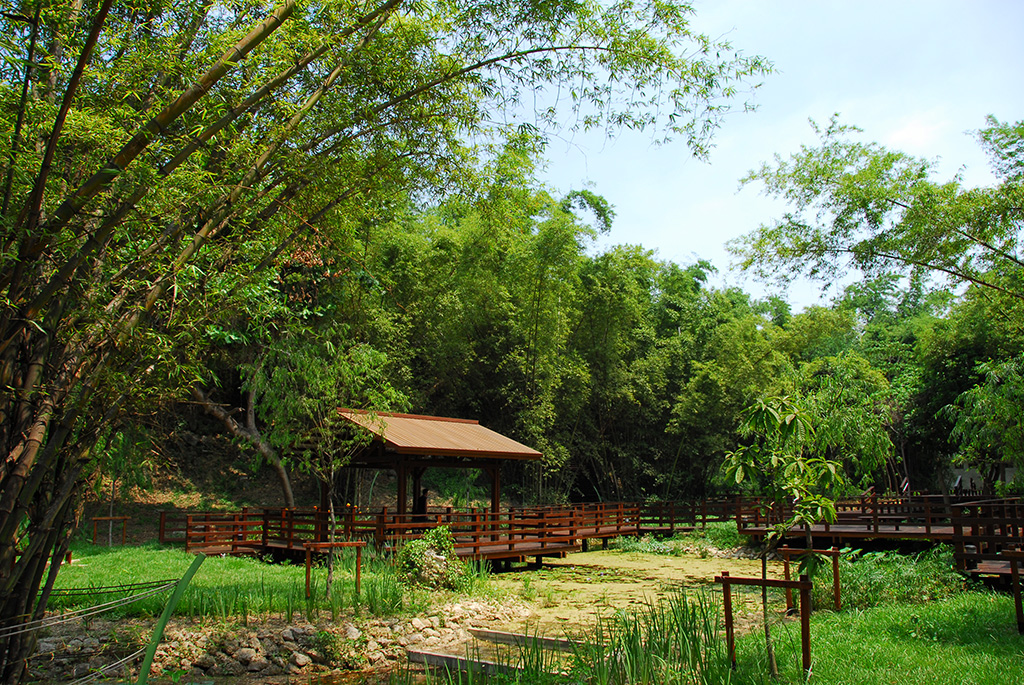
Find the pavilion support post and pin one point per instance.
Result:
(495, 489)
(403, 495)
(417, 484)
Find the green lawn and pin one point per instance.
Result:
(970, 638)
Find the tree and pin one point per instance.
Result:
(850, 399)
(160, 160)
(299, 384)
(798, 486)
(862, 206)
(987, 421)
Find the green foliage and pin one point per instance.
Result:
(969, 637)
(877, 210)
(431, 561)
(850, 400)
(798, 486)
(877, 579)
(299, 384)
(720, 535)
(987, 419)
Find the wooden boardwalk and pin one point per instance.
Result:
(986, 535)
(514, 534)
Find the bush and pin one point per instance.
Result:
(880, 578)
(431, 561)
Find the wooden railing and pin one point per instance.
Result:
(877, 515)
(986, 530)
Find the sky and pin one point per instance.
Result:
(917, 75)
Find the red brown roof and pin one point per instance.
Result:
(435, 435)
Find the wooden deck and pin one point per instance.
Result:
(984, 534)
(514, 534)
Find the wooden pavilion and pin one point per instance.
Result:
(410, 444)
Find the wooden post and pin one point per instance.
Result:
(835, 579)
(359, 567)
(403, 495)
(1015, 581)
(730, 639)
(785, 572)
(805, 624)
(495, 488)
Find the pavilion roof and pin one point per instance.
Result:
(411, 434)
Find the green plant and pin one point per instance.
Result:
(431, 561)
(874, 579)
(675, 640)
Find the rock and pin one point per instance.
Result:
(245, 655)
(430, 632)
(300, 660)
(419, 623)
(435, 622)
(288, 635)
(204, 662)
(257, 664)
(372, 646)
(351, 632)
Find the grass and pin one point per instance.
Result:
(230, 587)
(970, 638)
(882, 578)
(718, 535)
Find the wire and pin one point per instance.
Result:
(100, 672)
(109, 589)
(83, 613)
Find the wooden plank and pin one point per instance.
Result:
(503, 638)
(457, 663)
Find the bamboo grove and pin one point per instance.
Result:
(162, 161)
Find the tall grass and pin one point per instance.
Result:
(227, 587)
(969, 638)
(675, 640)
(882, 578)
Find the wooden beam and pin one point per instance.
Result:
(503, 638)
(455, 663)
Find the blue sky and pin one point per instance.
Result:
(919, 76)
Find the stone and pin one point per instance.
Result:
(300, 660)
(351, 632)
(419, 624)
(204, 662)
(245, 654)
(372, 646)
(288, 635)
(257, 664)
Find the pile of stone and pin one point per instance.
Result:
(208, 649)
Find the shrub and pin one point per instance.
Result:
(874, 579)
(431, 561)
